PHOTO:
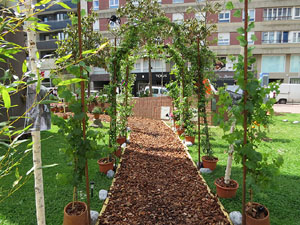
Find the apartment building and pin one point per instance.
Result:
(277, 28)
(57, 18)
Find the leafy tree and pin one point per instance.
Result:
(142, 13)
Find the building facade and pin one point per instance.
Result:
(277, 28)
(57, 18)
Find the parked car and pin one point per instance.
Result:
(157, 91)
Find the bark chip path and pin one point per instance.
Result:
(157, 182)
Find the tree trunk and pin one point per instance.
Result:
(229, 159)
(150, 76)
(36, 153)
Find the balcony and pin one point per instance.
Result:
(57, 25)
(58, 7)
(46, 45)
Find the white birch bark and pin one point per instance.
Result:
(37, 160)
(229, 159)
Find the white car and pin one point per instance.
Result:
(157, 91)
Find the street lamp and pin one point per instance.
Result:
(92, 183)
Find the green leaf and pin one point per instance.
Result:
(93, 51)
(43, 2)
(62, 59)
(32, 18)
(241, 30)
(37, 54)
(46, 102)
(63, 5)
(75, 1)
(24, 66)
(237, 13)
(251, 26)
(83, 12)
(242, 40)
(49, 166)
(229, 5)
(74, 20)
(253, 37)
(70, 81)
(6, 98)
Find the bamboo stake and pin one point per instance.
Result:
(199, 77)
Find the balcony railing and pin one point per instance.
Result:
(42, 45)
(57, 25)
(266, 18)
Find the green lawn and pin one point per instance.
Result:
(283, 201)
(19, 209)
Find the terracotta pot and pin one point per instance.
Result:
(65, 116)
(177, 126)
(211, 164)
(118, 153)
(121, 140)
(226, 192)
(96, 116)
(190, 139)
(53, 109)
(180, 131)
(81, 219)
(105, 166)
(253, 221)
(91, 107)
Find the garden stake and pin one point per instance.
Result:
(199, 77)
(245, 111)
(83, 110)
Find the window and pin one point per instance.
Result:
(177, 18)
(61, 16)
(296, 36)
(297, 13)
(200, 16)
(135, 3)
(61, 36)
(223, 38)
(113, 4)
(295, 80)
(278, 14)
(251, 14)
(250, 41)
(113, 25)
(295, 64)
(273, 64)
(274, 37)
(156, 65)
(178, 1)
(96, 25)
(224, 16)
(96, 5)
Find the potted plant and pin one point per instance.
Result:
(209, 161)
(106, 163)
(97, 111)
(190, 133)
(122, 131)
(77, 149)
(179, 127)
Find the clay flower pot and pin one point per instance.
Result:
(96, 116)
(79, 216)
(209, 163)
(263, 216)
(180, 131)
(118, 152)
(65, 116)
(190, 139)
(105, 165)
(121, 140)
(226, 192)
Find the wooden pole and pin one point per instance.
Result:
(87, 183)
(245, 95)
(199, 78)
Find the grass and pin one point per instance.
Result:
(282, 200)
(19, 209)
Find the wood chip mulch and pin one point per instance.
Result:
(157, 182)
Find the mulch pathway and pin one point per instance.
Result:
(157, 183)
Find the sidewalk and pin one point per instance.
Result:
(287, 108)
(158, 184)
